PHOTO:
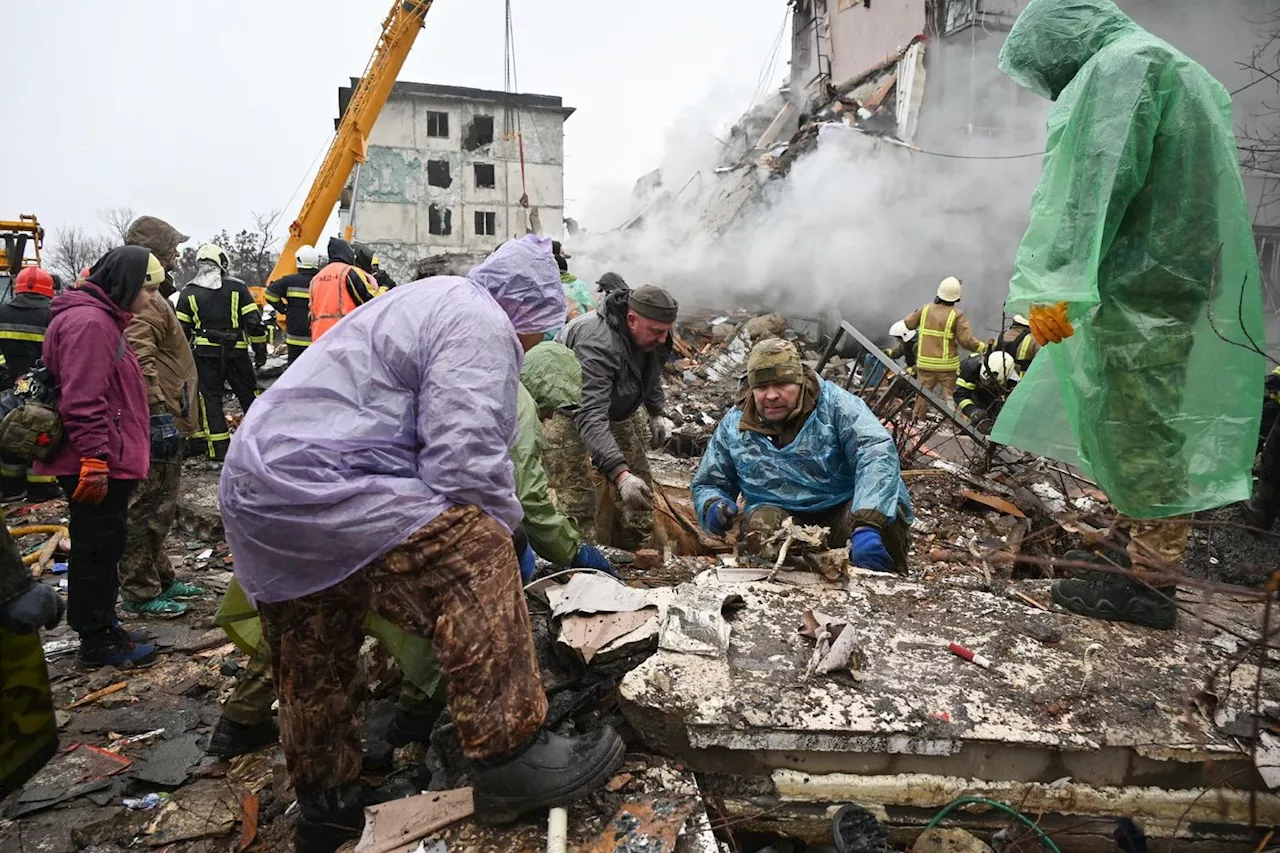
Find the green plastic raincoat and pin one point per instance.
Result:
(1139, 204)
(551, 379)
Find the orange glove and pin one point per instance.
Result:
(94, 474)
(1049, 323)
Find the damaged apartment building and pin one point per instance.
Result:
(456, 171)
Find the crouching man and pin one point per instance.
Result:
(375, 475)
(797, 446)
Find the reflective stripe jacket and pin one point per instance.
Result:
(973, 390)
(1021, 344)
(941, 328)
(336, 291)
(226, 318)
(291, 297)
(22, 326)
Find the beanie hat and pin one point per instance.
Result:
(653, 303)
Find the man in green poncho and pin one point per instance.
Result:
(1139, 234)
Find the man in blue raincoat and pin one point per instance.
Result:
(1138, 262)
(799, 447)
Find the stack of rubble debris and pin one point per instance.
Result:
(785, 701)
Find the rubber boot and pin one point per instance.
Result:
(550, 770)
(328, 818)
(1262, 507)
(230, 738)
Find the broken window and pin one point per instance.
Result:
(486, 223)
(479, 132)
(485, 175)
(439, 220)
(438, 124)
(438, 173)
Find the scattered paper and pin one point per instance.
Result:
(587, 635)
(593, 593)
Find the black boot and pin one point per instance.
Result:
(230, 738)
(1108, 596)
(328, 818)
(1262, 507)
(414, 724)
(550, 770)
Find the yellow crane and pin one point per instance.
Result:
(351, 141)
(15, 236)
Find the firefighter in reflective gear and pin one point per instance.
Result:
(291, 297)
(1270, 406)
(339, 288)
(907, 347)
(381, 276)
(222, 321)
(1018, 341)
(943, 330)
(983, 385)
(22, 325)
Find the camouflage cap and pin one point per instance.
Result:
(774, 360)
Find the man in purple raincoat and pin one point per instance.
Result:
(376, 475)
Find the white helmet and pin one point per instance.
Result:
(1020, 320)
(900, 330)
(307, 257)
(1002, 366)
(949, 290)
(214, 252)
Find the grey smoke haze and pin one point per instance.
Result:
(868, 229)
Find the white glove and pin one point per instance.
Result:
(659, 431)
(635, 493)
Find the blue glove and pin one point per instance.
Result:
(719, 515)
(590, 557)
(527, 565)
(866, 549)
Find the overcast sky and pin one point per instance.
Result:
(203, 112)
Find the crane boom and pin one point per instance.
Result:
(351, 141)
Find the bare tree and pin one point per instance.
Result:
(117, 220)
(1260, 141)
(72, 249)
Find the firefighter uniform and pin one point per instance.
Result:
(22, 326)
(944, 329)
(979, 395)
(1018, 341)
(291, 297)
(222, 324)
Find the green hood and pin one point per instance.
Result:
(1053, 39)
(156, 236)
(553, 376)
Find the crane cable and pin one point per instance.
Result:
(511, 85)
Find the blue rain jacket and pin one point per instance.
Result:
(842, 453)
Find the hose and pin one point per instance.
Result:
(58, 533)
(995, 804)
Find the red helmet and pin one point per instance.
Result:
(34, 280)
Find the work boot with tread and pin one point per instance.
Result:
(551, 770)
(230, 738)
(1114, 597)
(328, 818)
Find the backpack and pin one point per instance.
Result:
(30, 427)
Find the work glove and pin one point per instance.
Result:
(259, 355)
(166, 441)
(39, 606)
(866, 549)
(1049, 323)
(591, 557)
(719, 515)
(659, 431)
(528, 564)
(94, 476)
(635, 492)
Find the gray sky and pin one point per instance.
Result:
(203, 112)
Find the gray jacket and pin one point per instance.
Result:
(617, 377)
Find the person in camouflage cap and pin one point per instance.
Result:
(797, 446)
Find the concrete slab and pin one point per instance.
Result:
(1099, 702)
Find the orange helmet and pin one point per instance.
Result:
(34, 280)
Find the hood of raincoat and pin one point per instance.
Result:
(523, 278)
(363, 256)
(209, 276)
(155, 235)
(341, 251)
(1053, 39)
(552, 376)
(121, 273)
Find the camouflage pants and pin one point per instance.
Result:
(941, 382)
(28, 732)
(763, 521)
(1157, 545)
(455, 580)
(145, 570)
(590, 499)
